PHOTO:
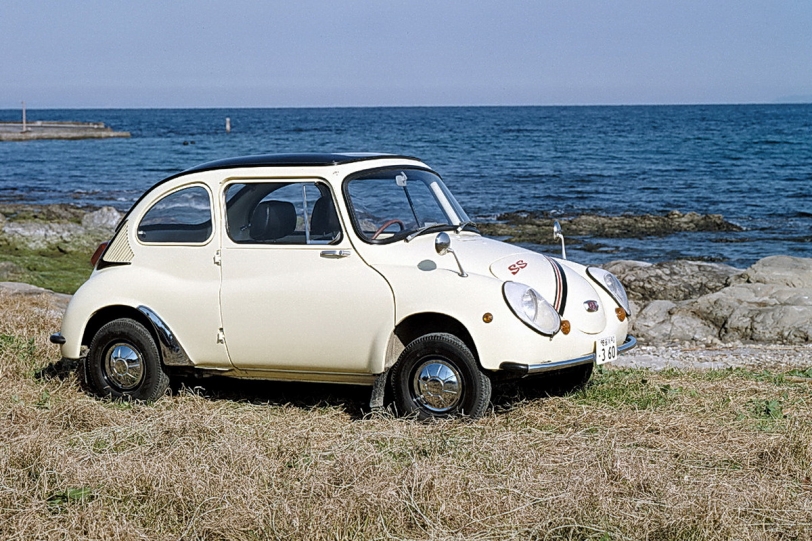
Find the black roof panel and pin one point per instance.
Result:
(271, 160)
(291, 160)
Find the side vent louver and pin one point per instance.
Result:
(119, 250)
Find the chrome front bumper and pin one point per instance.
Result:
(532, 369)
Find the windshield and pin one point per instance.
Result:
(390, 204)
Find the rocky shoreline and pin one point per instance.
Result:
(712, 304)
(686, 304)
(536, 228)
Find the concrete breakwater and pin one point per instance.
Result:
(42, 129)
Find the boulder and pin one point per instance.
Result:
(59, 300)
(770, 302)
(69, 230)
(42, 235)
(671, 280)
(663, 322)
(759, 313)
(104, 218)
(778, 269)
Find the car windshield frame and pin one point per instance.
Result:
(444, 203)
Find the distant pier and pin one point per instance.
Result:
(44, 129)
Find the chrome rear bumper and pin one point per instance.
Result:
(531, 369)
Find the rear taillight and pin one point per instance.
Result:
(98, 253)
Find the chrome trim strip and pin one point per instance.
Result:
(172, 352)
(530, 369)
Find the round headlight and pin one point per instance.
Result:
(530, 307)
(529, 304)
(611, 285)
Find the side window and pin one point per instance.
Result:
(180, 217)
(281, 213)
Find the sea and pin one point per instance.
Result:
(750, 163)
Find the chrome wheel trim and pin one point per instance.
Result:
(124, 366)
(437, 385)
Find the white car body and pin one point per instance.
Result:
(336, 311)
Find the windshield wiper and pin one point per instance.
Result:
(429, 229)
(463, 225)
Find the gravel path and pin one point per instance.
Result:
(777, 358)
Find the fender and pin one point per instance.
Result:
(172, 352)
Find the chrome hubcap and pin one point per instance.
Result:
(437, 385)
(124, 366)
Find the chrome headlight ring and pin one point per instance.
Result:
(611, 285)
(531, 308)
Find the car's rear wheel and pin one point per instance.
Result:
(124, 362)
(437, 376)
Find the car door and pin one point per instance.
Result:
(176, 243)
(295, 296)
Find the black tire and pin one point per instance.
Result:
(124, 363)
(451, 384)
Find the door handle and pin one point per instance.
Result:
(335, 254)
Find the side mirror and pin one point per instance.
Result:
(558, 234)
(442, 245)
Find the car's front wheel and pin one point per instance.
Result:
(123, 362)
(437, 376)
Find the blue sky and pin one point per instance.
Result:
(261, 53)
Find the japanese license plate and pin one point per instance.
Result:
(605, 349)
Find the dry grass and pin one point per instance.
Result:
(638, 455)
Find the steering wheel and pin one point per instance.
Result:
(386, 224)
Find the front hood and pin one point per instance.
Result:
(568, 291)
(563, 284)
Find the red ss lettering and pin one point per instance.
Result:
(516, 267)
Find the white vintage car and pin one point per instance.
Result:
(344, 268)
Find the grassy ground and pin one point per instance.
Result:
(51, 269)
(637, 455)
(61, 267)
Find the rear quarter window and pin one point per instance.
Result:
(180, 217)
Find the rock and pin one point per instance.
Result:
(760, 313)
(59, 300)
(671, 280)
(104, 218)
(537, 228)
(663, 321)
(60, 212)
(771, 302)
(780, 270)
(43, 235)
(647, 224)
(56, 227)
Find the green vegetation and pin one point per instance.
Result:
(51, 269)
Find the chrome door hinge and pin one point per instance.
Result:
(221, 336)
(217, 258)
